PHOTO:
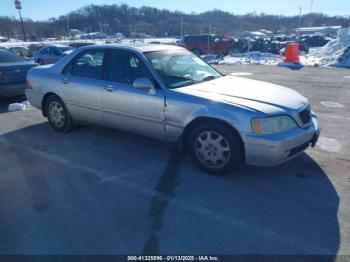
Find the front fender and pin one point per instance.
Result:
(182, 110)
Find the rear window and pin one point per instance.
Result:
(8, 57)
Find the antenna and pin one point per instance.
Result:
(299, 23)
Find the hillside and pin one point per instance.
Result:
(157, 22)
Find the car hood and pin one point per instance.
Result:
(257, 95)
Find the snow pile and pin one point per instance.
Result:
(344, 60)
(332, 53)
(19, 106)
(212, 59)
(254, 58)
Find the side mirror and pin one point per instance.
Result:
(145, 84)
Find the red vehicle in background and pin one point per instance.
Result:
(202, 44)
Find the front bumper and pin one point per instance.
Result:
(12, 89)
(271, 150)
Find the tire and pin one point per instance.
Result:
(40, 62)
(58, 115)
(196, 51)
(215, 148)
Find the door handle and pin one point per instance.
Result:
(110, 88)
(65, 81)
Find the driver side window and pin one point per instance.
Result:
(88, 65)
(125, 67)
(55, 51)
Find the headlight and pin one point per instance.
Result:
(272, 125)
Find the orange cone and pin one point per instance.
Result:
(292, 53)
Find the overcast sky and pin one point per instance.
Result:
(43, 9)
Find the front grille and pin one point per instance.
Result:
(305, 116)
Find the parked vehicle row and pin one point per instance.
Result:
(168, 93)
(315, 40)
(32, 49)
(13, 73)
(201, 44)
(208, 43)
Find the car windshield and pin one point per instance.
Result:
(181, 68)
(8, 57)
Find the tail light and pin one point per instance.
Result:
(29, 85)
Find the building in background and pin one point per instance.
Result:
(321, 30)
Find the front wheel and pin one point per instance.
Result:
(216, 148)
(58, 115)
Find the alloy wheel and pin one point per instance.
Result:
(212, 149)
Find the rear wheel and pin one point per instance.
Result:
(215, 148)
(40, 62)
(58, 115)
(196, 51)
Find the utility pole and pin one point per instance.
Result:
(18, 6)
(182, 25)
(311, 6)
(209, 37)
(299, 23)
(68, 28)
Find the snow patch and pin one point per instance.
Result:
(334, 53)
(329, 144)
(254, 58)
(212, 59)
(19, 106)
(331, 104)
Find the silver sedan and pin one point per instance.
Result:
(167, 93)
(51, 54)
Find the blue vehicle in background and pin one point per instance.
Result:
(13, 73)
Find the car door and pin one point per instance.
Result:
(55, 55)
(81, 84)
(45, 55)
(49, 56)
(127, 107)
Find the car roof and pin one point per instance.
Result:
(142, 48)
(53, 45)
(200, 35)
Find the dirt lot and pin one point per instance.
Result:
(101, 191)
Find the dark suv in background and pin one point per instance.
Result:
(202, 44)
(315, 40)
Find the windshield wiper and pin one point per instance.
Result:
(208, 78)
(181, 77)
